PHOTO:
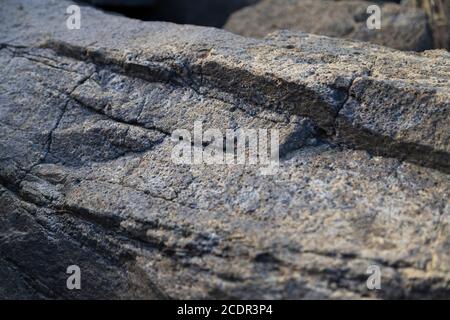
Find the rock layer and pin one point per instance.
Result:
(87, 178)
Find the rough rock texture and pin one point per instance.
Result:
(87, 179)
(403, 27)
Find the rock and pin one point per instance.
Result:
(87, 177)
(403, 27)
(438, 14)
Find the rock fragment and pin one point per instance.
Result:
(403, 27)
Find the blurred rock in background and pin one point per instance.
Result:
(404, 26)
(438, 12)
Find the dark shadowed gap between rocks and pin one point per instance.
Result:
(213, 13)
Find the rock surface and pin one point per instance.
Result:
(87, 178)
(402, 27)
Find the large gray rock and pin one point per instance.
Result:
(403, 27)
(87, 178)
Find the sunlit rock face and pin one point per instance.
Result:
(87, 177)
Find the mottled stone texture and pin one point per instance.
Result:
(402, 26)
(87, 179)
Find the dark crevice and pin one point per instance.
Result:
(212, 13)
